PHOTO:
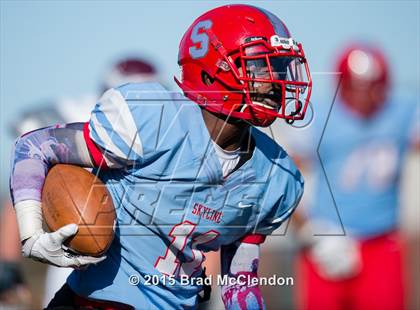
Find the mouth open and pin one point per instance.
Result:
(268, 100)
(267, 103)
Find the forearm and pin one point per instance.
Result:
(241, 263)
(37, 151)
(34, 154)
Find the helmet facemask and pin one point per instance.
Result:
(274, 81)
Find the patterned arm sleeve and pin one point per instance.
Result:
(240, 263)
(37, 151)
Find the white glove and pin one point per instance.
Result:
(48, 248)
(336, 256)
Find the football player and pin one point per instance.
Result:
(187, 173)
(354, 261)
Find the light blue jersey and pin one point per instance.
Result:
(173, 202)
(362, 160)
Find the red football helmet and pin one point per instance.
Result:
(364, 78)
(241, 61)
(130, 70)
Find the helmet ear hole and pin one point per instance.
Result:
(206, 78)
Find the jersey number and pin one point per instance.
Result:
(376, 163)
(169, 264)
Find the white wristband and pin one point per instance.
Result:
(244, 258)
(29, 218)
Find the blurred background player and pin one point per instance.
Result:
(352, 257)
(13, 289)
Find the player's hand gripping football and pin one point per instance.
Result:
(336, 256)
(47, 247)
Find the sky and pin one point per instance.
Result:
(52, 49)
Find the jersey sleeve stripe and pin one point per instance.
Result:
(123, 121)
(96, 154)
(105, 138)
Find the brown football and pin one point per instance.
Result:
(72, 194)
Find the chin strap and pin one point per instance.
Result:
(295, 112)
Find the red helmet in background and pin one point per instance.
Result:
(241, 61)
(364, 79)
(130, 70)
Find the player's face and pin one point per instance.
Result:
(263, 93)
(268, 94)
